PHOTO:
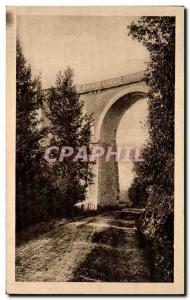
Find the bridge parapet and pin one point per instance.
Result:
(114, 82)
(105, 84)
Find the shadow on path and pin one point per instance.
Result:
(117, 255)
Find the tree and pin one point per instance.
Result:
(69, 127)
(43, 192)
(156, 174)
(158, 35)
(29, 204)
(25, 140)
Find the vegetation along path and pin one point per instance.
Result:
(105, 247)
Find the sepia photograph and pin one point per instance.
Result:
(95, 116)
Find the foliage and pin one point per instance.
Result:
(44, 192)
(156, 225)
(158, 35)
(157, 171)
(26, 141)
(69, 127)
(137, 192)
(32, 190)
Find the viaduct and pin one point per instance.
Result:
(108, 100)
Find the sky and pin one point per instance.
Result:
(132, 131)
(96, 47)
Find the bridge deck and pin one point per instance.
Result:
(106, 84)
(109, 83)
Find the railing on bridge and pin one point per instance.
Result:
(105, 84)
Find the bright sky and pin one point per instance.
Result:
(132, 131)
(97, 48)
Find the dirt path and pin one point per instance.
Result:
(100, 248)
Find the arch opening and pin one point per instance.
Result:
(123, 125)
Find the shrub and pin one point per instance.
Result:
(156, 225)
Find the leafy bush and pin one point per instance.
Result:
(137, 193)
(156, 225)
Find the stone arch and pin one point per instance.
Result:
(107, 172)
(138, 88)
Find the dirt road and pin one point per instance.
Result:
(104, 248)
